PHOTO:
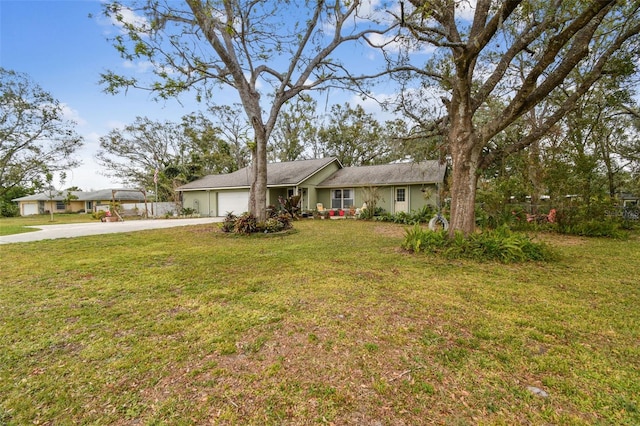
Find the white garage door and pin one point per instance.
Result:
(29, 209)
(236, 202)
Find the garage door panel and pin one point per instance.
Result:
(236, 202)
(29, 209)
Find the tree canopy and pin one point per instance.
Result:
(483, 80)
(295, 130)
(266, 52)
(180, 152)
(356, 138)
(492, 64)
(35, 136)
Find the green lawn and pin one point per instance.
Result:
(330, 324)
(17, 225)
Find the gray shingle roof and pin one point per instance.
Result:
(289, 173)
(100, 195)
(387, 174)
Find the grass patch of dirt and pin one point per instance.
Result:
(330, 324)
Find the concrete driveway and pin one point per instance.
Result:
(49, 232)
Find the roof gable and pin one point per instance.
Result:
(290, 173)
(387, 174)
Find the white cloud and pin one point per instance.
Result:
(88, 177)
(389, 42)
(92, 138)
(373, 9)
(259, 84)
(72, 114)
(465, 9)
(126, 16)
(367, 7)
(140, 67)
(368, 11)
(114, 124)
(423, 98)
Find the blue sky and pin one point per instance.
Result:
(64, 50)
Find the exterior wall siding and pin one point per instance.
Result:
(316, 196)
(386, 198)
(76, 206)
(323, 196)
(205, 202)
(308, 187)
(419, 199)
(273, 194)
(418, 195)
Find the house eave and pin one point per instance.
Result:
(335, 160)
(219, 188)
(379, 184)
(225, 188)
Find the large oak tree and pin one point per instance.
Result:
(519, 53)
(267, 52)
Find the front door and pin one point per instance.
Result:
(401, 200)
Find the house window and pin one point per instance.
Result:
(342, 198)
(60, 205)
(401, 194)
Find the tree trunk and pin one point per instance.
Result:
(605, 152)
(535, 176)
(466, 149)
(252, 192)
(261, 180)
(258, 194)
(464, 181)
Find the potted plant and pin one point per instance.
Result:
(108, 217)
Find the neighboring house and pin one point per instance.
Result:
(629, 200)
(630, 206)
(84, 201)
(399, 187)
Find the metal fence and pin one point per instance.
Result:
(628, 212)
